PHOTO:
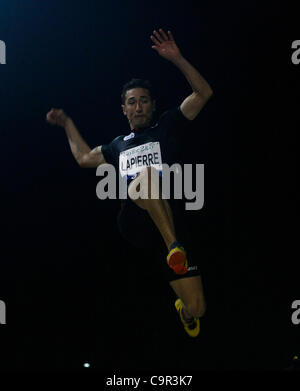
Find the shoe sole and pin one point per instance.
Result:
(177, 261)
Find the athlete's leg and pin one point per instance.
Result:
(158, 209)
(170, 214)
(190, 291)
(145, 192)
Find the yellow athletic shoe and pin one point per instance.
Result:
(177, 260)
(193, 327)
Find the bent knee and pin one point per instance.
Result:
(196, 308)
(145, 186)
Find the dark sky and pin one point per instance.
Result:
(60, 266)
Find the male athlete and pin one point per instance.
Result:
(138, 105)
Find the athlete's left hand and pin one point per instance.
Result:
(165, 45)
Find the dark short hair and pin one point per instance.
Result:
(137, 83)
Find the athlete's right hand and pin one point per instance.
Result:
(57, 117)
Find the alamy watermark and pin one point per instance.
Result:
(2, 312)
(296, 54)
(296, 314)
(2, 52)
(160, 184)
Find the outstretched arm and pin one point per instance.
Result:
(83, 154)
(166, 47)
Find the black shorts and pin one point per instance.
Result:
(137, 227)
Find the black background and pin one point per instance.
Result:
(75, 291)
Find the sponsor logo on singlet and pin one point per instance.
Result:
(131, 135)
(133, 160)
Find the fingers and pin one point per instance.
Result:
(156, 41)
(161, 36)
(165, 37)
(56, 117)
(50, 114)
(158, 36)
(170, 36)
(57, 112)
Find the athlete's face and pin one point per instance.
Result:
(138, 107)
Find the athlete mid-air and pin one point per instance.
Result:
(138, 105)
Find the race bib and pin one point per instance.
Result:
(133, 160)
